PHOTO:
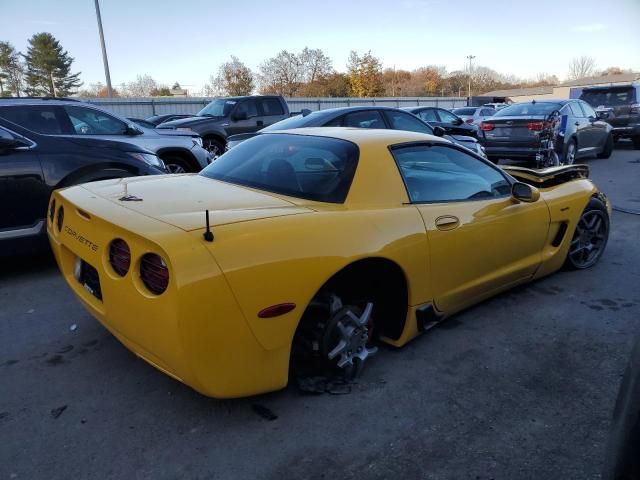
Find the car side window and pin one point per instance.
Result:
(271, 106)
(248, 106)
(44, 119)
(440, 173)
(364, 119)
(576, 110)
(428, 115)
(588, 110)
(406, 121)
(5, 135)
(88, 121)
(487, 112)
(447, 117)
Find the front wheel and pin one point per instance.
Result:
(176, 165)
(590, 236)
(570, 153)
(608, 148)
(213, 146)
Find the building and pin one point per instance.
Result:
(570, 89)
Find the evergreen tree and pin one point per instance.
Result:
(49, 68)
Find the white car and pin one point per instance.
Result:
(474, 115)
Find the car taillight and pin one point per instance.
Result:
(120, 256)
(635, 108)
(60, 218)
(487, 127)
(154, 273)
(52, 210)
(535, 126)
(469, 120)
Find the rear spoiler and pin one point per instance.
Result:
(547, 177)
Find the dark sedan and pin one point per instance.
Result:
(440, 117)
(362, 117)
(515, 131)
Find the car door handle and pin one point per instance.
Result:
(447, 222)
(577, 124)
(259, 123)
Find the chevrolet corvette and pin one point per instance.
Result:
(299, 251)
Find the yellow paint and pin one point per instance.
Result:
(270, 249)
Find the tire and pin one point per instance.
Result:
(333, 339)
(213, 146)
(589, 237)
(636, 142)
(607, 150)
(177, 164)
(569, 155)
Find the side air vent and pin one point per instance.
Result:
(562, 230)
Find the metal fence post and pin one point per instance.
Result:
(153, 107)
(348, 102)
(319, 105)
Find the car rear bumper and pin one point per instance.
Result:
(511, 151)
(194, 332)
(631, 130)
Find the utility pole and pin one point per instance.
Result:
(468, 57)
(104, 52)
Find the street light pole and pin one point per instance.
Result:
(104, 52)
(470, 58)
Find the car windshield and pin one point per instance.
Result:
(525, 109)
(218, 108)
(464, 111)
(314, 168)
(298, 121)
(611, 98)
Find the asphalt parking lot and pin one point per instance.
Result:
(519, 387)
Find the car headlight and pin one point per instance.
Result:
(148, 158)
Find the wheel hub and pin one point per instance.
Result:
(352, 334)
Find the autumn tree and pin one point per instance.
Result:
(48, 68)
(11, 71)
(282, 74)
(581, 67)
(96, 90)
(613, 71)
(365, 75)
(234, 78)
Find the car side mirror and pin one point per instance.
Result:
(439, 131)
(602, 115)
(240, 116)
(132, 130)
(458, 121)
(524, 192)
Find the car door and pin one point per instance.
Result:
(270, 110)
(23, 192)
(481, 240)
(244, 118)
(598, 131)
(91, 122)
(582, 127)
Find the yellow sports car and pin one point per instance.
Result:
(297, 251)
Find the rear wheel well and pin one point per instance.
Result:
(376, 280)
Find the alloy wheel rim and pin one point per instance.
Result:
(212, 148)
(571, 154)
(175, 168)
(589, 239)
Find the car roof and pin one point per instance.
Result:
(38, 101)
(551, 100)
(361, 136)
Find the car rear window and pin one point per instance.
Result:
(464, 111)
(314, 168)
(525, 109)
(610, 98)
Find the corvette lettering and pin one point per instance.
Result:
(81, 239)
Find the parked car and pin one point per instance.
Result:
(514, 132)
(32, 165)
(496, 105)
(620, 106)
(229, 116)
(363, 117)
(474, 115)
(449, 121)
(167, 117)
(297, 251)
(180, 151)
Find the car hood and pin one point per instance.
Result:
(167, 132)
(188, 122)
(181, 200)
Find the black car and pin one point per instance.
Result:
(450, 122)
(229, 116)
(514, 132)
(363, 117)
(32, 165)
(620, 106)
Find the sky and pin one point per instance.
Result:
(186, 40)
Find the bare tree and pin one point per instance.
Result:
(581, 67)
(281, 74)
(11, 70)
(315, 64)
(143, 86)
(234, 78)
